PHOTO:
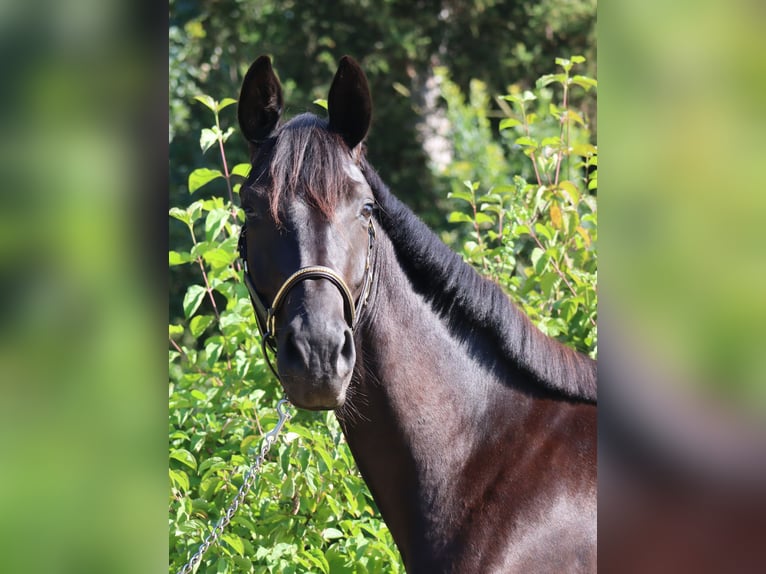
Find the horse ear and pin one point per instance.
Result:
(349, 102)
(260, 101)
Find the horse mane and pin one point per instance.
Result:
(459, 293)
(303, 156)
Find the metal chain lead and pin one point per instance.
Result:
(223, 522)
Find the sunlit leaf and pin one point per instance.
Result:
(184, 456)
(207, 101)
(526, 141)
(331, 533)
(506, 123)
(585, 82)
(199, 323)
(235, 542)
(460, 194)
(202, 176)
(226, 102)
(178, 258)
(215, 222)
(459, 217)
(242, 169)
(207, 139)
(483, 218)
(180, 214)
(192, 299)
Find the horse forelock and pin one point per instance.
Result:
(304, 159)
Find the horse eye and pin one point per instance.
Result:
(367, 210)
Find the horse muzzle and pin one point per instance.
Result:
(315, 359)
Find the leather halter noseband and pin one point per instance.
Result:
(266, 316)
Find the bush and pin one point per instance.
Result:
(534, 227)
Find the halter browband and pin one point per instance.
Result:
(266, 316)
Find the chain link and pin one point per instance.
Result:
(268, 440)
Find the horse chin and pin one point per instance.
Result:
(313, 397)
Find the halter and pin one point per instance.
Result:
(266, 316)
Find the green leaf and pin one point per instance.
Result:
(321, 102)
(199, 323)
(331, 534)
(585, 82)
(570, 190)
(184, 456)
(195, 210)
(526, 141)
(564, 63)
(483, 218)
(511, 98)
(235, 542)
(207, 139)
(227, 134)
(192, 299)
(180, 214)
(209, 102)
(287, 490)
(215, 222)
(458, 217)
(519, 230)
(178, 258)
(241, 169)
(547, 281)
(585, 150)
(578, 59)
(506, 123)
(202, 176)
(540, 264)
(175, 330)
(460, 194)
(544, 230)
(213, 351)
(226, 102)
(218, 258)
(573, 116)
(180, 479)
(554, 141)
(549, 79)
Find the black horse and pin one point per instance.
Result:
(475, 433)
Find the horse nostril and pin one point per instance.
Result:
(347, 353)
(293, 353)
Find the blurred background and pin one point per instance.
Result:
(85, 191)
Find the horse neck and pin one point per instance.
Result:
(420, 406)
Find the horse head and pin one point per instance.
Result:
(308, 236)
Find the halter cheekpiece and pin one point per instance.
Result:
(266, 316)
